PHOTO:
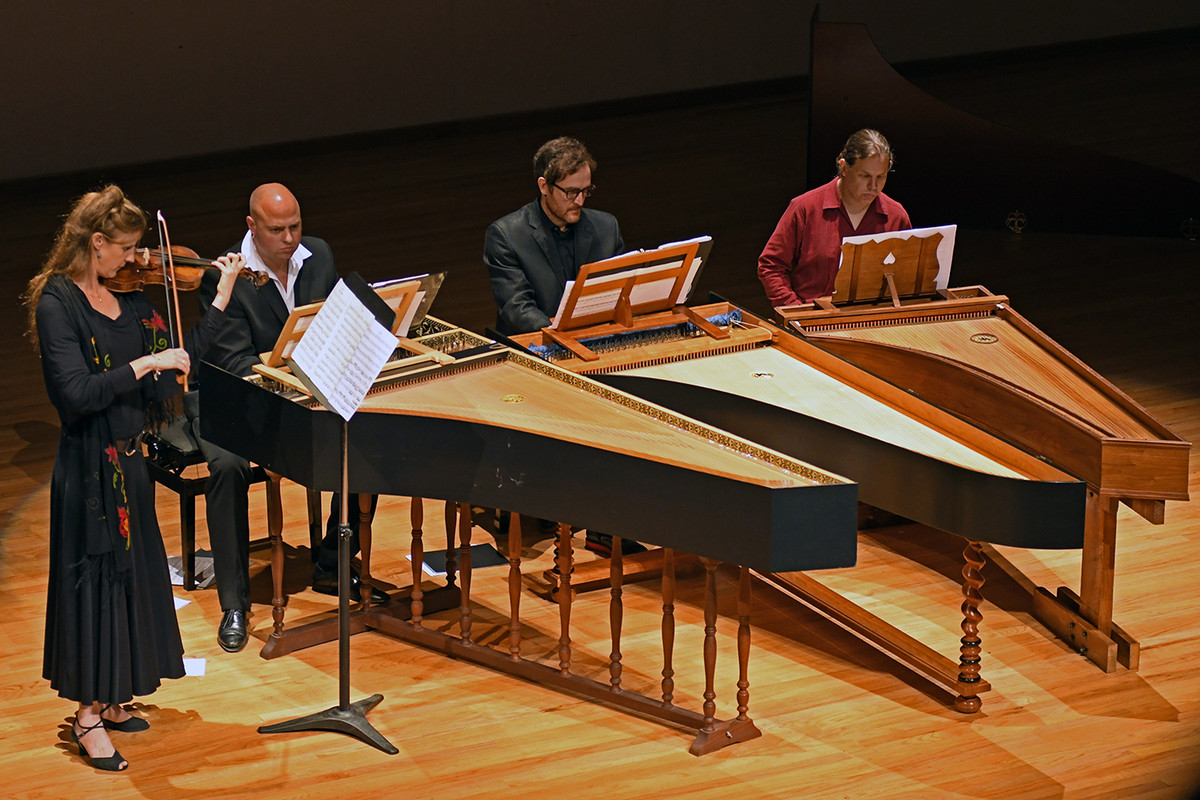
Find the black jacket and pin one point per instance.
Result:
(527, 275)
(255, 315)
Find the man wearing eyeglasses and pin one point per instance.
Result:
(532, 253)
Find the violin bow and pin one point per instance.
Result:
(174, 322)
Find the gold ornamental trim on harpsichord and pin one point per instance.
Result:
(454, 341)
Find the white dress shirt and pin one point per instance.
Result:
(254, 261)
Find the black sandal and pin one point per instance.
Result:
(111, 763)
(131, 725)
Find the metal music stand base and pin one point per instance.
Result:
(346, 717)
(351, 720)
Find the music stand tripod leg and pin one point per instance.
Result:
(346, 717)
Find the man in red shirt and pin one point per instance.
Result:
(800, 260)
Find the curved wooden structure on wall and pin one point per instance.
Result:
(1037, 182)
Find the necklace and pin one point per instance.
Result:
(97, 296)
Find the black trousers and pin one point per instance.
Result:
(228, 512)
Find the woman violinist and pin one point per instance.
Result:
(111, 631)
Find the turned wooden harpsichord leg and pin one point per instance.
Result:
(566, 562)
(416, 515)
(668, 626)
(616, 614)
(451, 517)
(710, 644)
(714, 735)
(743, 645)
(366, 517)
(514, 587)
(275, 532)
(464, 571)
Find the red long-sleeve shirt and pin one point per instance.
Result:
(800, 260)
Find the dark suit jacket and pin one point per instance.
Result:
(255, 315)
(527, 275)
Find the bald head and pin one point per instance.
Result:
(274, 223)
(274, 198)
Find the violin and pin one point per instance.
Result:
(147, 268)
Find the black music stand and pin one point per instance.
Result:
(345, 717)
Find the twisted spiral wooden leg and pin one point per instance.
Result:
(970, 651)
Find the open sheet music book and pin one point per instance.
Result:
(945, 247)
(642, 280)
(410, 306)
(408, 298)
(344, 346)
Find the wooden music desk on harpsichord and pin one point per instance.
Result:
(725, 366)
(967, 351)
(501, 429)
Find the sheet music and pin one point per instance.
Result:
(645, 291)
(665, 246)
(562, 304)
(945, 251)
(690, 282)
(422, 300)
(654, 290)
(406, 323)
(342, 352)
(591, 303)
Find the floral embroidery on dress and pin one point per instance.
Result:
(104, 362)
(158, 332)
(118, 482)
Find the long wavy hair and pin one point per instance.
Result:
(107, 211)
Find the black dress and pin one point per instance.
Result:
(111, 631)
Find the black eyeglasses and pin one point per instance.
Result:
(573, 193)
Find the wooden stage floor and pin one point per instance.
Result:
(839, 720)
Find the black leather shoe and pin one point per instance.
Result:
(233, 633)
(326, 582)
(601, 544)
